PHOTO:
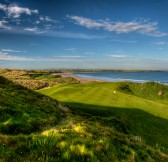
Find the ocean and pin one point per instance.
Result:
(140, 77)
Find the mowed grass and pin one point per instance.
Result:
(145, 118)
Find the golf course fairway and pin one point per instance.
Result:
(145, 118)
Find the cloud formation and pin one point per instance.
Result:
(70, 56)
(7, 57)
(15, 22)
(118, 56)
(13, 51)
(47, 19)
(3, 25)
(15, 11)
(145, 27)
(123, 41)
(31, 29)
(161, 43)
(71, 49)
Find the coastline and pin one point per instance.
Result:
(92, 79)
(81, 79)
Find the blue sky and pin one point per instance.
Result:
(99, 34)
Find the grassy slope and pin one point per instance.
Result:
(24, 111)
(142, 117)
(31, 130)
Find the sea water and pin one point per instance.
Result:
(141, 77)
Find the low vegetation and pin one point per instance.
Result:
(36, 79)
(92, 123)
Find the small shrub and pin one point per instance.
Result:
(124, 87)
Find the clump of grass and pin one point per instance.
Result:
(35, 75)
(125, 87)
(48, 77)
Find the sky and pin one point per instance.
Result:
(84, 34)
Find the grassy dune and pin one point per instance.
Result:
(143, 117)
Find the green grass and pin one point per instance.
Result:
(24, 111)
(149, 90)
(48, 77)
(145, 118)
(34, 127)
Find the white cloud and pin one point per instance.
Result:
(71, 49)
(145, 27)
(161, 43)
(119, 56)
(31, 29)
(7, 57)
(15, 11)
(3, 25)
(49, 26)
(47, 19)
(4, 56)
(69, 56)
(9, 50)
(51, 33)
(123, 41)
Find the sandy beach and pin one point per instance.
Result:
(81, 79)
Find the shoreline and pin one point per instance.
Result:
(81, 79)
(90, 79)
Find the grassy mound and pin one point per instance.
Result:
(149, 90)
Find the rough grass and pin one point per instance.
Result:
(24, 111)
(36, 79)
(150, 90)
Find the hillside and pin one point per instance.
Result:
(23, 113)
(34, 127)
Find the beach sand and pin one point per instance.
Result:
(81, 79)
